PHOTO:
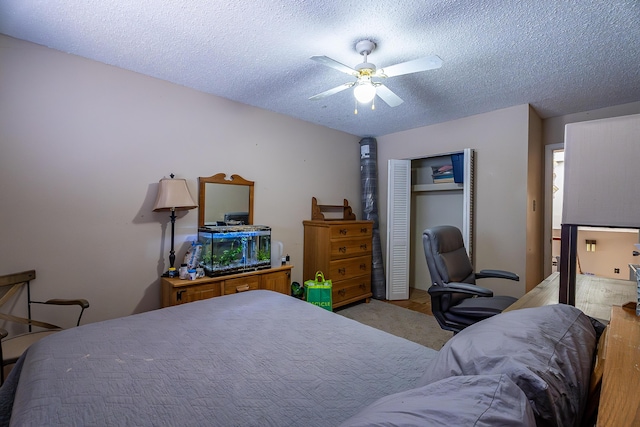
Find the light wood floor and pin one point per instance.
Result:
(419, 301)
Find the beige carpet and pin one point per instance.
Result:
(402, 322)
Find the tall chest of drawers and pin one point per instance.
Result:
(342, 251)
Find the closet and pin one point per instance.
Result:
(417, 198)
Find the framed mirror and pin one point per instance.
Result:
(223, 200)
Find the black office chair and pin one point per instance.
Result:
(11, 348)
(456, 300)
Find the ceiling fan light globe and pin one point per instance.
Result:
(364, 92)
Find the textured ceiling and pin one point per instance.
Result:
(561, 56)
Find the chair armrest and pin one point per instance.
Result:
(498, 274)
(460, 288)
(80, 302)
(83, 303)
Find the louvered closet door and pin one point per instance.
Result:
(398, 229)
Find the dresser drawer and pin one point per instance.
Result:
(241, 284)
(195, 293)
(351, 230)
(347, 268)
(356, 287)
(350, 247)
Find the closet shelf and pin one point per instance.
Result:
(419, 188)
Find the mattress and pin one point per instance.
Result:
(256, 358)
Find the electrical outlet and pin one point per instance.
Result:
(616, 270)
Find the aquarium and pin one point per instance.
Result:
(234, 249)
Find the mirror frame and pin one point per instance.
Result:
(221, 178)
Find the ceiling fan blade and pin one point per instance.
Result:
(331, 91)
(414, 66)
(324, 60)
(388, 96)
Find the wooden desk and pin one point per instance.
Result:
(594, 295)
(619, 401)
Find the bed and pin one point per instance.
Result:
(256, 358)
(261, 358)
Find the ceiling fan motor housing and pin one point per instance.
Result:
(365, 47)
(365, 69)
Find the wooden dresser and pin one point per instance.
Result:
(178, 291)
(341, 249)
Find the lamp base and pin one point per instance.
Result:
(170, 273)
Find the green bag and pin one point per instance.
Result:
(318, 291)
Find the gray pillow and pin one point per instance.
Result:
(547, 351)
(482, 400)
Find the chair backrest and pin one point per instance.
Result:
(10, 285)
(447, 260)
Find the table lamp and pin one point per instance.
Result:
(173, 195)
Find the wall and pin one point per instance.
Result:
(553, 128)
(501, 141)
(83, 146)
(535, 203)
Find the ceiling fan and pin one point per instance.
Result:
(365, 88)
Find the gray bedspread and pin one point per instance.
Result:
(256, 358)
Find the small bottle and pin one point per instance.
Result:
(172, 272)
(288, 260)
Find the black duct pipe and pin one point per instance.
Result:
(369, 199)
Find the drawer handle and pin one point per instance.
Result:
(363, 266)
(363, 247)
(343, 231)
(342, 271)
(362, 286)
(342, 292)
(342, 249)
(179, 295)
(242, 288)
(364, 230)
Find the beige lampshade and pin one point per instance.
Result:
(173, 194)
